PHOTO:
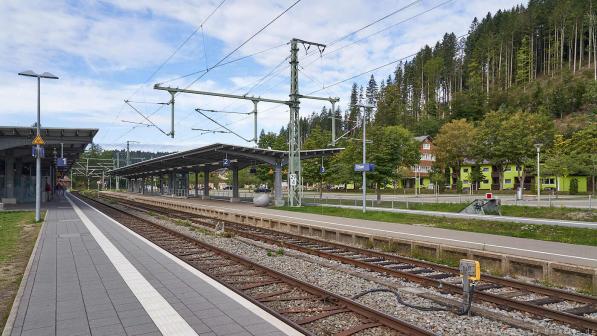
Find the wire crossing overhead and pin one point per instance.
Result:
(294, 171)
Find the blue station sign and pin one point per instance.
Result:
(359, 167)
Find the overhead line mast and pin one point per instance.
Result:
(295, 190)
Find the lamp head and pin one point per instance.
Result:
(48, 75)
(31, 73)
(28, 73)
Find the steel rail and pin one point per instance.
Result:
(564, 317)
(370, 318)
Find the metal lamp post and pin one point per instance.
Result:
(538, 147)
(364, 187)
(48, 75)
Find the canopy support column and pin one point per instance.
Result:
(205, 184)
(235, 197)
(196, 183)
(278, 200)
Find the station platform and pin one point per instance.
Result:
(92, 276)
(578, 255)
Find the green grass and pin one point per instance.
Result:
(445, 207)
(10, 228)
(507, 210)
(552, 213)
(562, 234)
(18, 232)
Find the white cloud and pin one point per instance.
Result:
(92, 46)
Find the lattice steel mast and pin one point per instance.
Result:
(295, 190)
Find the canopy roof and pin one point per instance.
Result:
(16, 141)
(211, 158)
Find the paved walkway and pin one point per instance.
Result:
(552, 251)
(92, 276)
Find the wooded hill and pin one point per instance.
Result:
(529, 64)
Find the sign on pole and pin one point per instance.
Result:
(293, 180)
(35, 153)
(61, 163)
(38, 140)
(360, 167)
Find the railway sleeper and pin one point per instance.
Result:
(582, 310)
(545, 301)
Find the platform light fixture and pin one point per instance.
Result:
(30, 73)
(538, 147)
(366, 109)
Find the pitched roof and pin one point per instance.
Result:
(422, 138)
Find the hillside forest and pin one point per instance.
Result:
(519, 77)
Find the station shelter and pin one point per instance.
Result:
(17, 162)
(175, 168)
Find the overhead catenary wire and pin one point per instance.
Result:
(370, 70)
(360, 74)
(264, 78)
(136, 123)
(148, 102)
(223, 126)
(324, 87)
(368, 36)
(238, 47)
(225, 63)
(383, 30)
(144, 117)
(171, 56)
(244, 43)
(222, 111)
(217, 128)
(374, 22)
(179, 47)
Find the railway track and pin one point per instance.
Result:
(309, 309)
(505, 293)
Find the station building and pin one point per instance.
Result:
(17, 163)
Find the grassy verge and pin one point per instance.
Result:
(445, 207)
(580, 236)
(552, 213)
(507, 210)
(18, 232)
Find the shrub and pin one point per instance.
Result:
(574, 186)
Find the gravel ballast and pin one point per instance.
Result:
(308, 268)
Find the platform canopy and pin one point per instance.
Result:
(17, 164)
(16, 141)
(212, 157)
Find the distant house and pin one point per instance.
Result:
(418, 176)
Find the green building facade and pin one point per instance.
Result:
(490, 179)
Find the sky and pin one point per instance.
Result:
(106, 52)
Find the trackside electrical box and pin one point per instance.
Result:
(470, 269)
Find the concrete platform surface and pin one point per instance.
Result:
(91, 276)
(580, 255)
